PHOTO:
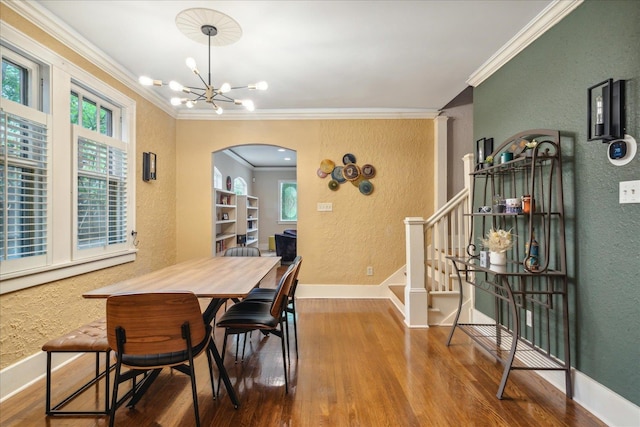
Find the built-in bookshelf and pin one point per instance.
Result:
(225, 216)
(247, 226)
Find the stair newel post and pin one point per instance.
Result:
(416, 303)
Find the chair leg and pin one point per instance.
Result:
(114, 398)
(287, 335)
(213, 383)
(194, 390)
(295, 325)
(284, 359)
(224, 348)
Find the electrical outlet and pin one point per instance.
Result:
(369, 271)
(529, 321)
(325, 207)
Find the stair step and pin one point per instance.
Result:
(398, 291)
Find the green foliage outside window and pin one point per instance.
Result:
(13, 82)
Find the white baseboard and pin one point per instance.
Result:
(20, 375)
(602, 402)
(342, 291)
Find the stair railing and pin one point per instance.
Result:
(446, 235)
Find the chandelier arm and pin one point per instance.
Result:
(223, 97)
(223, 100)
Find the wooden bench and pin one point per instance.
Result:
(90, 338)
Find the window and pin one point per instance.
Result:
(101, 188)
(71, 210)
(288, 201)
(90, 112)
(217, 178)
(20, 78)
(23, 188)
(240, 186)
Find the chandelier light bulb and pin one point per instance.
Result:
(190, 103)
(176, 101)
(248, 104)
(174, 85)
(218, 110)
(260, 86)
(191, 63)
(148, 81)
(226, 87)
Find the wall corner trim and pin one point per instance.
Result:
(545, 20)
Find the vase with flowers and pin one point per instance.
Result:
(498, 242)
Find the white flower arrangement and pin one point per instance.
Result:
(498, 240)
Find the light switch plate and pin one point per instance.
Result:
(630, 191)
(325, 207)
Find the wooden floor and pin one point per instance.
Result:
(358, 366)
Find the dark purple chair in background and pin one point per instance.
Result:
(286, 245)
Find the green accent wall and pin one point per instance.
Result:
(545, 86)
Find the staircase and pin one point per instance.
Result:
(428, 290)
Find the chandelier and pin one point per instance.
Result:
(215, 28)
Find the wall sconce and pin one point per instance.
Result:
(148, 166)
(484, 148)
(606, 118)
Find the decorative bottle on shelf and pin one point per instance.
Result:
(531, 261)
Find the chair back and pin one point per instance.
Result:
(282, 291)
(297, 262)
(242, 251)
(152, 322)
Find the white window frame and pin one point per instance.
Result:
(58, 76)
(217, 178)
(33, 73)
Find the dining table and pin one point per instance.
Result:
(218, 278)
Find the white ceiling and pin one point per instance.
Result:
(317, 56)
(314, 54)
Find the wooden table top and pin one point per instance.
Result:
(216, 277)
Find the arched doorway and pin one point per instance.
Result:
(270, 175)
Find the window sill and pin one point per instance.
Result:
(17, 281)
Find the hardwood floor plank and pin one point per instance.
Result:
(358, 366)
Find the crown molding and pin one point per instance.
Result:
(546, 19)
(311, 114)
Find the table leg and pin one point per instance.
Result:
(209, 316)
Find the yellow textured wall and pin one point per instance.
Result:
(30, 317)
(361, 231)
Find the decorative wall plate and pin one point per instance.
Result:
(351, 171)
(366, 187)
(321, 173)
(327, 165)
(338, 175)
(228, 183)
(333, 185)
(368, 171)
(348, 158)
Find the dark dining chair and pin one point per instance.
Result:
(242, 251)
(267, 294)
(267, 317)
(151, 331)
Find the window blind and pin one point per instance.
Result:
(102, 194)
(23, 187)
